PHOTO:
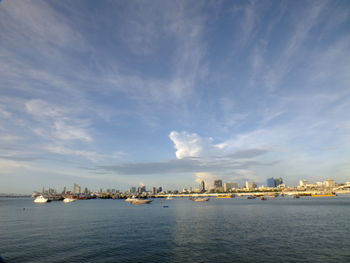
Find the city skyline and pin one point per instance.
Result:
(170, 93)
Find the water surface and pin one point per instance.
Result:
(221, 230)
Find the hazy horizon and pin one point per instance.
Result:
(113, 94)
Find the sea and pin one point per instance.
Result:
(279, 229)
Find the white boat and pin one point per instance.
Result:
(41, 199)
(131, 199)
(68, 200)
(169, 197)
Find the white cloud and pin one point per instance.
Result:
(191, 145)
(60, 121)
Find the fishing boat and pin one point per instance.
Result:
(41, 199)
(141, 201)
(200, 199)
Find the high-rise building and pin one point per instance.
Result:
(76, 189)
(272, 182)
(64, 190)
(250, 185)
(154, 190)
(229, 186)
(278, 181)
(160, 189)
(202, 186)
(217, 183)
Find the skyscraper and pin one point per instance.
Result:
(217, 183)
(270, 182)
(76, 189)
(202, 186)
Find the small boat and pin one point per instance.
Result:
(41, 199)
(296, 196)
(199, 199)
(263, 198)
(69, 200)
(141, 201)
(251, 197)
(169, 197)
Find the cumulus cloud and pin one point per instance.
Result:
(192, 145)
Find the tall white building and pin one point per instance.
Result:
(250, 185)
(76, 189)
(303, 182)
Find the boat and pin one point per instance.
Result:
(251, 197)
(323, 194)
(225, 196)
(69, 200)
(41, 199)
(169, 197)
(131, 199)
(263, 198)
(141, 201)
(296, 196)
(200, 199)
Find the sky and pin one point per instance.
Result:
(114, 94)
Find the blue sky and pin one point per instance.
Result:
(165, 93)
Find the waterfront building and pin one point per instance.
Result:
(249, 185)
(141, 189)
(160, 189)
(274, 182)
(154, 190)
(202, 186)
(64, 190)
(329, 183)
(270, 182)
(76, 189)
(303, 183)
(217, 183)
(229, 186)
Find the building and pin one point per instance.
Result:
(229, 186)
(303, 183)
(272, 182)
(154, 190)
(160, 189)
(250, 185)
(141, 189)
(202, 186)
(76, 189)
(329, 183)
(217, 183)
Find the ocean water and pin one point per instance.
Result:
(221, 230)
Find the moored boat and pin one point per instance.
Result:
(201, 199)
(323, 195)
(225, 196)
(263, 198)
(69, 200)
(41, 199)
